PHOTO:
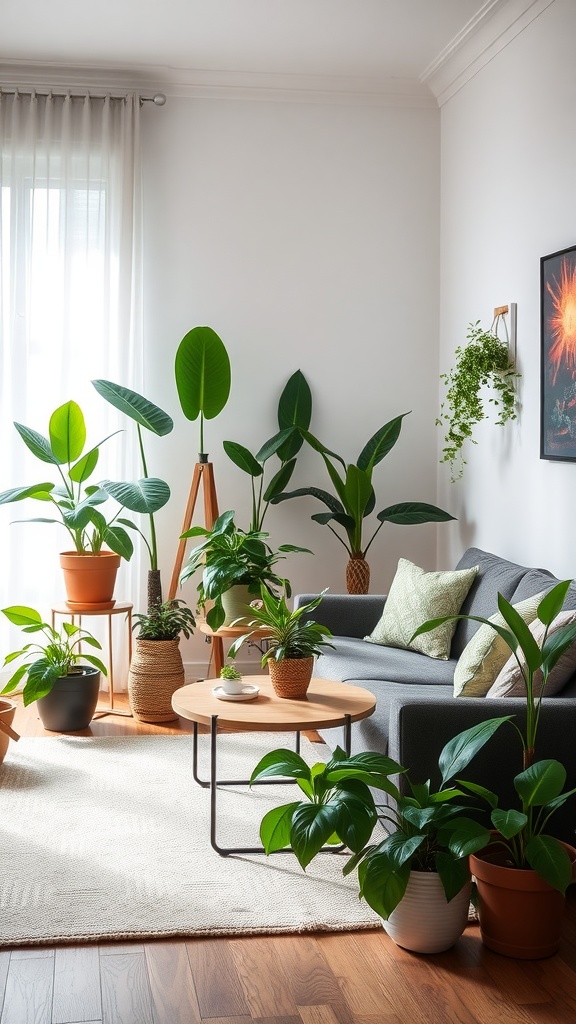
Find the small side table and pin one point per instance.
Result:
(215, 637)
(120, 608)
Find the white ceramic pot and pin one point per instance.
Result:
(423, 921)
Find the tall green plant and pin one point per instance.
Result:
(77, 505)
(202, 371)
(294, 415)
(354, 499)
(149, 494)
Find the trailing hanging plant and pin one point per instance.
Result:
(484, 360)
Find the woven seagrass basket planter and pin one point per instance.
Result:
(156, 672)
(291, 677)
(357, 576)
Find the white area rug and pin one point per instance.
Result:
(108, 838)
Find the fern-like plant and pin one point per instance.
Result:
(484, 360)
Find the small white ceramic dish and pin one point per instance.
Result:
(249, 692)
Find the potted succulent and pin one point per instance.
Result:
(292, 642)
(78, 507)
(355, 500)
(484, 360)
(66, 689)
(414, 872)
(523, 872)
(156, 669)
(231, 558)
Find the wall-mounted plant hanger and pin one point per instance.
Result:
(485, 360)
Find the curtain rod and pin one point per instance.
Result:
(158, 99)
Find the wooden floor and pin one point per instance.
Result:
(348, 978)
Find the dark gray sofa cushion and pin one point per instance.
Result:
(496, 576)
(356, 659)
(537, 580)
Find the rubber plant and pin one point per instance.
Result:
(294, 415)
(202, 372)
(355, 500)
(149, 494)
(483, 362)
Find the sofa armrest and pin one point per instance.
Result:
(346, 614)
(419, 729)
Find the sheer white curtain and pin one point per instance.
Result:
(70, 309)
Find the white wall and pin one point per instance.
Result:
(508, 173)
(307, 236)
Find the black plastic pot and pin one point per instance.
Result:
(72, 701)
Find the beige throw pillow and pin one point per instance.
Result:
(416, 596)
(487, 653)
(510, 681)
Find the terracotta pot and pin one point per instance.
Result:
(236, 604)
(357, 575)
(291, 677)
(89, 579)
(7, 712)
(156, 672)
(72, 701)
(424, 921)
(520, 915)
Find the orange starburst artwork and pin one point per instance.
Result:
(562, 321)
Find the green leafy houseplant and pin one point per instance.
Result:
(43, 663)
(294, 415)
(426, 831)
(77, 505)
(523, 831)
(202, 371)
(230, 557)
(483, 361)
(148, 495)
(289, 634)
(165, 621)
(355, 500)
(230, 672)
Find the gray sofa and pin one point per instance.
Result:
(416, 713)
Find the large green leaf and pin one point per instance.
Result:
(202, 370)
(281, 762)
(313, 492)
(319, 447)
(312, 826)
(145, 496)
(275, 827)
(460, 750)
(85, 466)
(453, 872)
(273, 445)
(242, 458)
(37, 444)
(119, 541)
(551, 605)
(508, 823)
(550, 860)
(381, 885)
(135, 406)
(463, 836)
(280, 480)
(521, 632)
(540, 783)
(22, 615)
(41, 491)
(67, 432)
(380, 444)
(358, 489)
(412, 513)
(294, 410)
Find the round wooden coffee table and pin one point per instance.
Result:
(327, 705)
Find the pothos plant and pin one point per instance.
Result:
(483, 361)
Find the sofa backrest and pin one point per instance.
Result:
(495, 576)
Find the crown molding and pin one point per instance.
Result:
(494, 26)
(234, 85)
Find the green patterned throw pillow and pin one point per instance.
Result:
(486, 653)
(416, 596)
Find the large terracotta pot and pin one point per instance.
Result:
(89, 579)
(156, 672)
(424, 921)
(520, 915)
(72, 701)
(291, 677)
(7, 712)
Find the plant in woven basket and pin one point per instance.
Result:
(156, 669)
(165, 621)
(355, 500)
(483, 361)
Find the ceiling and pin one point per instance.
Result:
(391, 39)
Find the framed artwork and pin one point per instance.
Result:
(558, 364)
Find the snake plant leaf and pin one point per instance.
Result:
(242, 458)
(380, 444)
(202, 371)
(40, 491)
(294, 410)
(280, 480)
(67, 431)
(138, 408)
(145, 496)
(39, 446)
(412, 513)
